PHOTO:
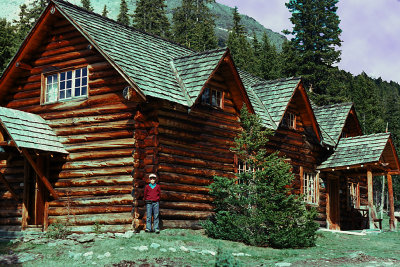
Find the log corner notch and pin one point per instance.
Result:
(39, 172)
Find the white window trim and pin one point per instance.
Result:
(58, 73)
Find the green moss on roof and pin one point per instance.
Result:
(30, 131)
(357, 150)
(332, 118)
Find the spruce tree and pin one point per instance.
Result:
(316, 39)
(150, 16)
(270, 67)
(86, 4)
(7, 43)
(123, 16)
(105, 11)
(258, 208)
(193, 25)
(240, 48)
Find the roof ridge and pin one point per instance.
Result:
(367, 135)
(202, 53)
(121, 24)
(336, 104)
(276, 80)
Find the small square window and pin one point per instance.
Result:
(66, 85)
(289, 120)
(211, 97)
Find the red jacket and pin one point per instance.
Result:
(152, 194)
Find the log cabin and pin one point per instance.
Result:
(90, 107)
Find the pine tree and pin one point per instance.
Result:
(257, 208)
(86, 4)
(150, 16)
(193, 25)
(105, 11)
(240, 48)
(270, 67)
(7, 43)
(316, 38)
(123, 16)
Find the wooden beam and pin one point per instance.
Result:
(9, 188)
(25, 200)
(39, 172)
(23, 65)
(370, 198)
(7, 143)
(392, 220)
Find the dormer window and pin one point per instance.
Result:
(65, 85)
(289, 120)
(212, 97)
(343, 135)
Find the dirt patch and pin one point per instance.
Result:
(353, 259)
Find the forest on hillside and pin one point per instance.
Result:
(312, 53)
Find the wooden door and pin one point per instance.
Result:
(332, 209)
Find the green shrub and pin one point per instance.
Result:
(258, 208)
(58, 231)
(97, 228)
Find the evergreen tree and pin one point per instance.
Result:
(240, 48)
(257, 207)
(150, 16)
(7, 43)
(257, 52)
(193, 25)
(105, 11)
(270, 67)
(316, 38)
(86, 4)
(123, 16)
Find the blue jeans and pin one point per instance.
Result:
(152, 209)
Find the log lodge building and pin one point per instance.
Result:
(89, 107)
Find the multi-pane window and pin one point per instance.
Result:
(354, 195)
(289, 120)
(310, 188)
(66, 85)
(244, 167)
(212, 97)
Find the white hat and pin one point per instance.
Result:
(152, 175)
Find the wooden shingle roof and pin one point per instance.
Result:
(332, 118)
(357, 150)
(276, 94)
(29, 130)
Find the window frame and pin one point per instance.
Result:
(354, 194)
(311, 187)
(209, 103)
(44, 83)
(289, 120)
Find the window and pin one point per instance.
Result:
(343, 135)
(66, 85)
(244, 167)
(289, 120)
(211, 97)
(354, 195)
(311, 188)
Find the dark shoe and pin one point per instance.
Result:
(157, 231)
(147, 231)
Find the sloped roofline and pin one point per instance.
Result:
(226, 57)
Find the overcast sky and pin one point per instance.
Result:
(370, 32)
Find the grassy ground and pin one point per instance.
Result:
(331, 249)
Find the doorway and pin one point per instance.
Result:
(332, 207)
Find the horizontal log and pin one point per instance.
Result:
(180, 196)
(97, 118)
(184, 188)
(95, 181)
(95, 172)
(186, 206)
(90, 137)
(106, 218)
(107, 81)
(54, 59)
(182, 224)
(95, 128)
(72, 41)
(193, 171)
(10, 213)
(64, 49)
(183, 179)
(101, 145)
(95, 190)
(116, 153)
(10, 221)
(57, 211)
(100, 163)
(93, 201)
(84, 112)
(195, 162)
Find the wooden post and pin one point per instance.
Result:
(391, 203)
(370, 198)
(301, 172)
(39, 173)
(25, 201)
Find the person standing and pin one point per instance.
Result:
(152, 193)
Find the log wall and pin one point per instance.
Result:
(94, 182)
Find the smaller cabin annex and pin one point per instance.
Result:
(120, 104)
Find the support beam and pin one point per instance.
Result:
(9, 188)
(39, 172)
(392, 221)
(370, 198)
(25, 200)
